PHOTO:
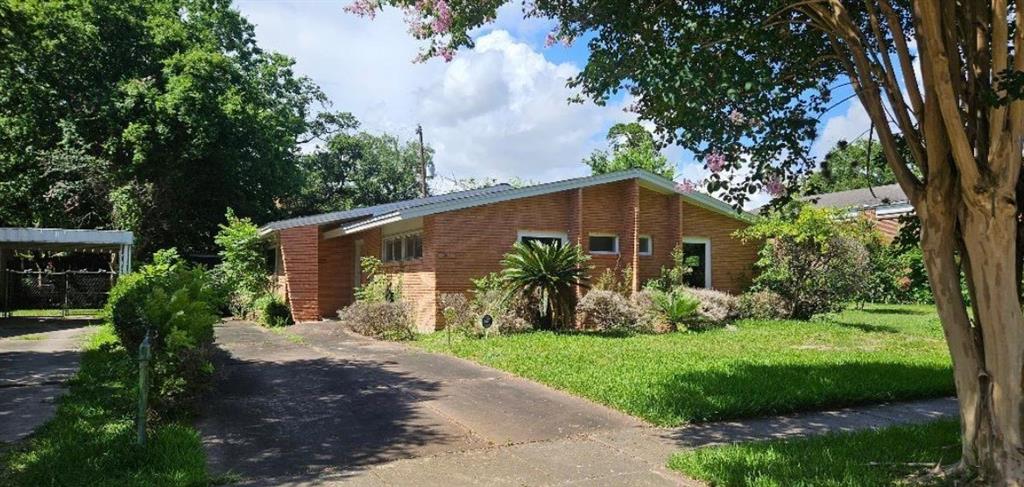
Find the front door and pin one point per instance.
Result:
(695, 257)
(357, 272)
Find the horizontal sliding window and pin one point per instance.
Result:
(604, 244)
(403, 247)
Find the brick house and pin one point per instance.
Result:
(884, 205)
(438, 243)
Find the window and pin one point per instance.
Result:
(403, 247)
(644, 244)
(546, 238)
(697, 256)
(604, 244)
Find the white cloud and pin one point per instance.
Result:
(498, 110)
(848, 126)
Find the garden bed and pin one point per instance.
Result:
(881, 353)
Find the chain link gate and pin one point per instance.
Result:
(70, 292)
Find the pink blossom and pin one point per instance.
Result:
(447, 54)
(442, 17)
(737, 117)
(550, 40)
(686, 186)
(363, 8)
(775, 187)
(716, 162)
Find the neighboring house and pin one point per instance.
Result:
(439, 243)
(883, 204)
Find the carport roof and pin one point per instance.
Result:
(63, 238)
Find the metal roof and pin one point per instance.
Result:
(371, 211)
(647, 179)
(862, 198)
(64, 237)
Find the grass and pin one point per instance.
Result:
(874, 457)
(91, 439)
(291, 337)
(877, 354)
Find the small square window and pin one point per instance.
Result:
(604, 244)
(644, 244)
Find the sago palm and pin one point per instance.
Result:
(546, 275)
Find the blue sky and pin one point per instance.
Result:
(498, 110)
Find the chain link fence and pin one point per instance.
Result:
(55, 293)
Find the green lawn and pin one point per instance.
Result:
(91, 440)
(765, 367)
(866, 458)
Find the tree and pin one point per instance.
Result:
(817, 259)
(630, 146)
(742, 84)
(359, 169)
(850, 165)
(151, 115)
(546, 276)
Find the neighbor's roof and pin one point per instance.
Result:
(861, 199)
(50, 237)
(366, 218)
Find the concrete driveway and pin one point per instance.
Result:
(318, 405)
(36, 357)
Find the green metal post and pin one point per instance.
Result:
(145, 354)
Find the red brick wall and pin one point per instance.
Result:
(299, 250)
(732, 261)
(466, 244)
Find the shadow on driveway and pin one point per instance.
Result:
(280, 414)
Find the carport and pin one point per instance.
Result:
(58, 289)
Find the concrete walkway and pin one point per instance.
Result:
(36, 357)
(317, 405)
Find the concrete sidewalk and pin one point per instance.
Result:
(315, 404)
(36, 357)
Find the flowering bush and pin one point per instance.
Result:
(608, 311)
(763, 305)
(716, 308)
(383, 320)
(815, 258)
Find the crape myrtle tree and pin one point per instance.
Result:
(744, 83)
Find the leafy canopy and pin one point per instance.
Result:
(150, 115)
(630, 146)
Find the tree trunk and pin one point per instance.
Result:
(988, 354)
(989, 227)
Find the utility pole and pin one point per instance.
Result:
(423, 163)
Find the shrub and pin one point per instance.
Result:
(511, 313)
(382, 320)
(458, 313)
(649, 316)
(675, 306)
(815, 258)
(619, 282)
(243, 267)
(546, 276)
(716, 307)
(763, 305)
(379, 287)
(672, 277)
(171, 301)
(605, 310)
(272, 311)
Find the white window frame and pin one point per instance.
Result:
(650, 245)
(563, 236)
(707, 256)
(401, 248)
(602, 252)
